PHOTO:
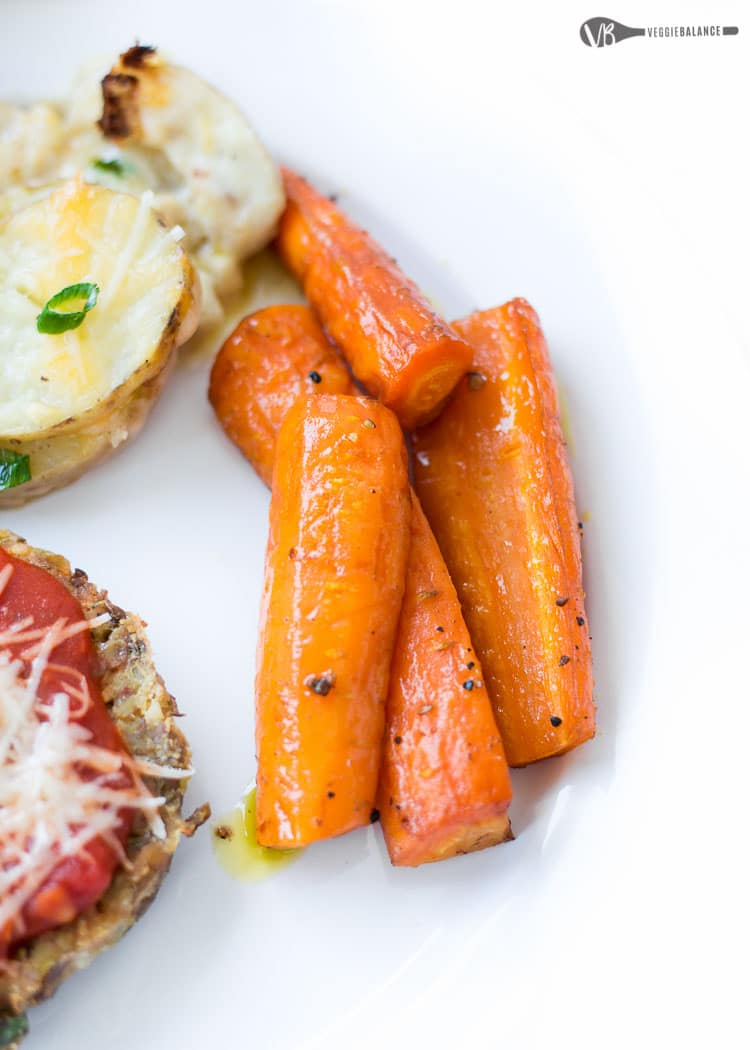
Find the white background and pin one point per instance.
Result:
(498, 156)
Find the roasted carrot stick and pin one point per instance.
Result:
(335, 566)
(397, 346)
(444, 783)
(271, 357)
(493, 476)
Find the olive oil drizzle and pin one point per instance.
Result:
(236, 847)
(264, 283)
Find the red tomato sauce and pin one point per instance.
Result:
(77, 882)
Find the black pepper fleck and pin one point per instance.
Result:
(333, 197)
(470, 665)
(397, 739)
(555, 721)
(441, 629)
(374, 816)
(321, 685)
(561, 601)
(468, 684)
(476, 380)
(580, 621)
(316, 377)
(331, 794)
(564, 660)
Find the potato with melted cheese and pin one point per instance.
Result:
(152, 125)
(68, 399)
(31, 138)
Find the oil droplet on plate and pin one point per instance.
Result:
(236, 847)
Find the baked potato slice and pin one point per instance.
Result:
(68, 399)
(209, 169)
(151, 124)
(31, 140)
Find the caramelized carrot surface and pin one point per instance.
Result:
(494, 480)
(271, 357)
(444, 783)
(334, 580)
(397, 346)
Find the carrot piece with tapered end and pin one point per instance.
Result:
(270, 359)
(494, 480)
(334, 580)
(444, 783)
(397, 346)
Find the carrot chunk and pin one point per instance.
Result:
(397, 346)
(456, 801)
(271, 357)
(334, 580)
(444, 783)
(494, 480)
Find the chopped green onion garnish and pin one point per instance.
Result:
(14, 469)
(113, 166)
(12, 1028)
(77, 299)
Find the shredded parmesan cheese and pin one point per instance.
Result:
(59, 790)
(130, 248)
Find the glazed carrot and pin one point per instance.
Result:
(444, 783)
(397, 346)
(271, 357)
(444, 787)
(493, 476)
(335, 565)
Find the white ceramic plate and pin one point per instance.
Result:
(608, 919)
